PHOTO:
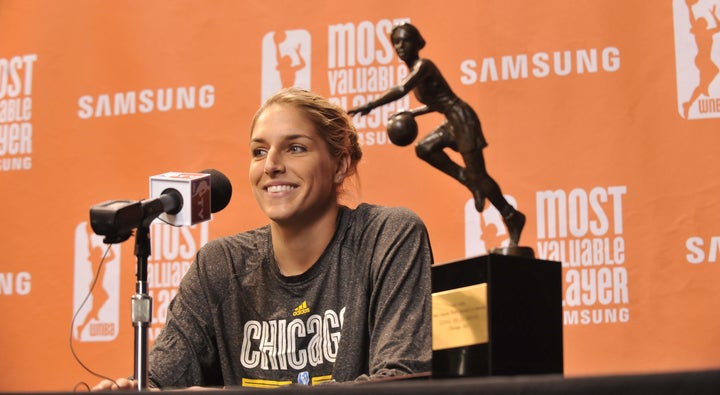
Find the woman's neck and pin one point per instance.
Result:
(298, 247)
(410, 62)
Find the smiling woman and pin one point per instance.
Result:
(295, 176)
(322, 293)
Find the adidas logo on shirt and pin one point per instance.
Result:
(302, 309)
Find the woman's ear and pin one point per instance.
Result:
(342, 169)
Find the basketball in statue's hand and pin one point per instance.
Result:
(402, 128)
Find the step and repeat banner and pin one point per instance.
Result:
(602, 117)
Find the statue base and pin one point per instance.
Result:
(525, 252)
(497, 315)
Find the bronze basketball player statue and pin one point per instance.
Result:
(461, 131)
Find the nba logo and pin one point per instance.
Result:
(96, 287)
(697, 57)
(286, 61)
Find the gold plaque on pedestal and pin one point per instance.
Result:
(459, 317)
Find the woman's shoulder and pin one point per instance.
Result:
(372, 213)
(242, 251)
(425, 62)
(249, 239)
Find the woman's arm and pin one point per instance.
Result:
(394, 93)
(400, 317)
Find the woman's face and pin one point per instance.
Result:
(291, 171)
(405, 45)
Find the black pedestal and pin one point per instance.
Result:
(524, 317)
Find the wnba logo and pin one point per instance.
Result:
(485, 230)
(286, 57)
(96, 287)
(697, 57)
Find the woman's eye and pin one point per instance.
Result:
(297, 148)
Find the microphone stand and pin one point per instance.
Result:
(115, 219)
(141, 305)
(142, 302)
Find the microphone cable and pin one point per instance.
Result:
(72, 327)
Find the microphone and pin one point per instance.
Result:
(176, 198)
(191, 197)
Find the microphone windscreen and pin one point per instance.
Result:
(221, 190)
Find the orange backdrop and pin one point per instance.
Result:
(601, 117)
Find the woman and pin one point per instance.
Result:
(706, 67)
(322, 293)
(460, 131)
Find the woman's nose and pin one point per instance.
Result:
(273, 163)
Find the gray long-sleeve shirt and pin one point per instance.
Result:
(361, 311)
